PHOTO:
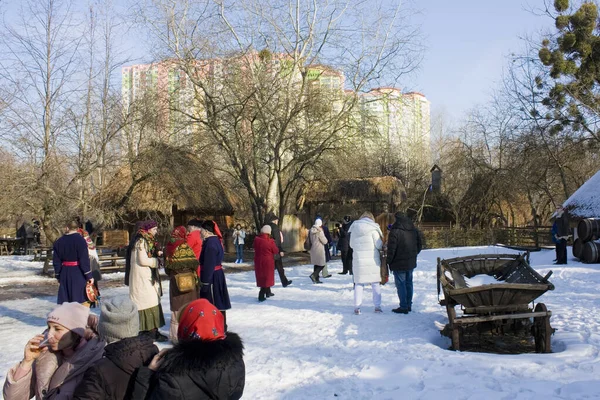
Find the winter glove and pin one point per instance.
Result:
(205, 287)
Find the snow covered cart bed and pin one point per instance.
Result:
(494, 292)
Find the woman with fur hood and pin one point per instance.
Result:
(54, 362)
(207, 363)
(366, 241)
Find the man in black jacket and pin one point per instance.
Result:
(404, 243)
(563, 231)
(343, 245)
(113, 376)
(272, 220)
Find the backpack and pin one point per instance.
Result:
(307, 242)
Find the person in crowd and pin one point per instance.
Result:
(343, 244)
(194, 238)
(366, 241)
(239, 235)
(89, 227)
(207, 363)
(563, 231)
(71, 262)
(213, 285)
(317, 249)
(553, 232)
(110, 378)
(273, 220)
(181, 265)
(144, 280)
(54, 362)
(132, 240)
(26, 233)
(335, 236)
(264, 262)
(325, 271)
(94, 260)
(404, 243)
(37, 232)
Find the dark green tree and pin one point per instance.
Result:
(573, 57)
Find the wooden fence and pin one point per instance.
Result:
(111, 259)
(517, 237)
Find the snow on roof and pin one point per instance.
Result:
(585, 202)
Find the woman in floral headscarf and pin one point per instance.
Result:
(207, 363)
(144, 280)
(180, 265)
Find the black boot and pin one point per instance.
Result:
(224, 319)
(315, 275)
(269, 293)
(261, 294)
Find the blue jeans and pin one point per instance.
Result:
(404, 286)
(239, 251)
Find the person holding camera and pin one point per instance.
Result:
(54, 362)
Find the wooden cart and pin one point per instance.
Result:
(502, 306)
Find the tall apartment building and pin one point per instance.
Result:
(399, 119)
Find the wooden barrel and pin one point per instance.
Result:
(591, 253)
(587, 228)
(578, 246)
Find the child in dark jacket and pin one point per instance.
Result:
(207, 363)
(112, 376)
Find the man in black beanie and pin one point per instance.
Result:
(272, 220)
(404, 243)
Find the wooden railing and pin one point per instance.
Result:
(111, 260)
(518, 237)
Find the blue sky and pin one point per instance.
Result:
(467, 44)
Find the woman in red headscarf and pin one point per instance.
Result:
(207, 363)
(180, 265)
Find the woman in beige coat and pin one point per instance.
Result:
(144, 281)
(54, 362)
(317, 249)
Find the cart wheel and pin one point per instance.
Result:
(542, 331)
(455, 329)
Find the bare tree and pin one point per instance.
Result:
(273, 115)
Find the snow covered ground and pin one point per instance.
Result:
(306, 343)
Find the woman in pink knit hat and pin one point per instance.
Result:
(54, 362)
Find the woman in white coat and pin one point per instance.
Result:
(144, 284)
(366, 241)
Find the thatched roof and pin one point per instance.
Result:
(585, 202)
(178, 180)
(384, 189)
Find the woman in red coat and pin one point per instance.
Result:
(264, 262)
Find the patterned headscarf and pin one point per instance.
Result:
(88, 239)
(178, 237)
(148, 237)
(179, 256)
(200, 320)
